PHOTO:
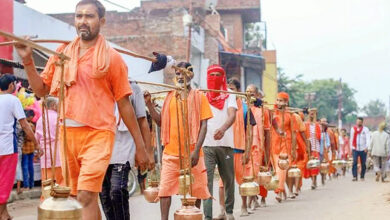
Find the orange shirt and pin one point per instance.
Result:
(172, 148)
(282, 144)
(90, 101)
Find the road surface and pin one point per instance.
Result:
(338, 199)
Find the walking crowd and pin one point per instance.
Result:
(224, 127)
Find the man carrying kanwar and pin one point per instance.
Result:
(313, 129)
(239, 149)
(171, 122)
(260, 142)
(282, 126)
(95, 78)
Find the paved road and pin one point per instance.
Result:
(338, 199)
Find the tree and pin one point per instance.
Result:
(326, 100)
(375, 108)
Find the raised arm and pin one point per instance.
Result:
(35, 81)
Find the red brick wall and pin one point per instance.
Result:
(237, 4)
(233, 24)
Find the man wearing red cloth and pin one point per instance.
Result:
(219, 141)
(359, 142)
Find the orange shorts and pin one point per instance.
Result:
(169, 182)
(88, 152)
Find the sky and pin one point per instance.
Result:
(345, 39)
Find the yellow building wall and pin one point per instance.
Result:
(270, 82)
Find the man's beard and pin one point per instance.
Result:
(182, 85)
(88, 35)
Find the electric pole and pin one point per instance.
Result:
(340, 94)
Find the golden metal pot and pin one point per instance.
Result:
(249, 187)
(151, 193)
(188, 210)
(313, 163)
(271, 186)
(337, 164)
(283, 162)
(324, 167)
(294, 172)
(349, 162)
(60, 206)
(184, 182)
(343, 163)
(46, 188)
(264, 177)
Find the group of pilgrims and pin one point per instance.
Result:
(256, 145)
(263, 146)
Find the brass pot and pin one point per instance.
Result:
(324, 167)
(283, 156)
(151, 193)
(188, 210)
(294, 172)
(350, 163)
(60, 207)
(343, 163)
(263, 178)
(249, 187)
(337, 164)
(273, 184)
(46, 188)
(313, 163)
(283, 163)
(184, 182)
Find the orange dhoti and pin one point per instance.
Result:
(302, 157)
(281, 174)
(257, 157)
(308, 173)
(282, 144)
(170, 173)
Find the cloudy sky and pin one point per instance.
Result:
(346, 39)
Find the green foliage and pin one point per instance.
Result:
(326, 100)
(375, 108)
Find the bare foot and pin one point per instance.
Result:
(279, 197)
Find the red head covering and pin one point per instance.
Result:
(283, 95)
(216, 99)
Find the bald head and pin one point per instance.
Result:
(51, 103)
(252, 90)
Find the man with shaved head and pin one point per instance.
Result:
(261, 140)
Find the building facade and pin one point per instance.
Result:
(217, 35)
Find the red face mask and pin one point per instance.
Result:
(214, 82)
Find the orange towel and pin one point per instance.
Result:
(195, 107)
(100, 63)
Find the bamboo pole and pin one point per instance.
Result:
(223, 91)
(162, 91)
(32, 44)
(156, 84)
(153, 60)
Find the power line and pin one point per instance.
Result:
(117, 5)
